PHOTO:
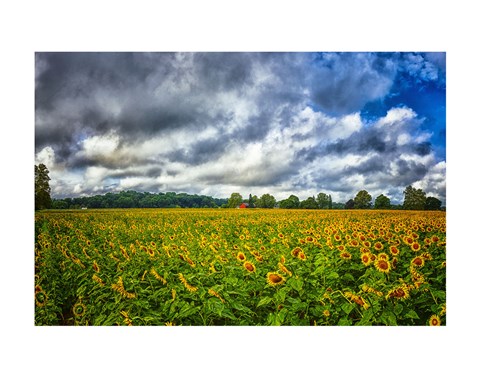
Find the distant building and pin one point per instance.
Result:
(244, 205)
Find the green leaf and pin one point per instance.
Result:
(333, 275)
(367, 316)
(388, 318)
(348, 307)
(411, 314)
(344, 321)
(296, 284)
(397, 309)
(280, 296)
(264, 301)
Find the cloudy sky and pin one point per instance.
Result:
(217, 123)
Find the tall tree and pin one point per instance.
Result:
(433, 204)
(250, 201)
(235, 200)
(266, 201)
(330, 204)
(291, 202)
(42, 188)
(363, 200)
(414, 198)
(309, 203)
(322, 200)
(382, 202)
(350, 204)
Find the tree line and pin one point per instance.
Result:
(414, 199)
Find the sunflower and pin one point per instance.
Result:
(40, 298)
(354, 243)
(434, 320)
(96, 267)
(400, 293)
(394, 250)
(79, 309)
(296, 251)
(418, 262)
(337, 237)
(309, 239)
(250, 267)
(382, 265)
(383, 256)
(346, 255)
(302, 256)
(378, 246)
(241, 257)
(408, 240)
(367, 244)
(341, 248)
(275, 279)
(366, 259)
(151, 253)
(415, 246)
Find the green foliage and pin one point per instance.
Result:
(433, 204)
(235, 200)
(415, 199)
(154, 267)
(266, 201)
(323, 201)
(42, 188)
(309, 203)
(382, 202)
(363, 200)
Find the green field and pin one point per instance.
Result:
(240, 267)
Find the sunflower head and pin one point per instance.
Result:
(241, 257)
(250, 267)
(366, 259)
(382, 265)
(40, 298)
(302, 256)
(394, 250)
(346, 255)
(418, 262)
(79, 310)
(378, 246)
(275, 279)
(415, 246)
(296, 251)
(434, 320)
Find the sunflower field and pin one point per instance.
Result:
(215, 267)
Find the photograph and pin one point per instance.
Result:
(240, 188)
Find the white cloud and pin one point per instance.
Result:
(46, 156)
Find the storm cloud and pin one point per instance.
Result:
(215, 123)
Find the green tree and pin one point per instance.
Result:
(266, 201)
(42, 188)
(350, 204)
(382, 202)
(363, 200)
(250, 201)
(323, 200)
(309, 203)
(291, 202)
(235, 200)
(433, 204)
(330, 203)
(414, 198)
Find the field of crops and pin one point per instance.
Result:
(240, 267)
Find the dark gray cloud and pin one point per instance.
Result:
(214, 122)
